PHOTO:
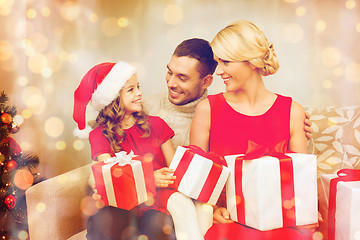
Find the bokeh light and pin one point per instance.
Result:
(27, 113)
(93, 17)
(338, 71)
(110, 27)
(46, 72)
(330, 56)
(23, 235)
(70, 10)
(173, 14)
(31, 13)
(358, 27)
(32, 96)
(143, 237)
(350, 4)
(327, 84)
(40, 207)
(18, 119)
(6, 6)
(123, 22)
(39, 42)
(22, 81)
(300, 11)
(54, 126)
(317, 236)
(45, 11)
(291, 1)
(63, 179)
(37, 62)
(321, 25)
(352, 72)
(23, 179)
(60, 145)
(34, 100)
(78, 145)
(26, 146)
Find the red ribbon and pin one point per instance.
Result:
(286, 178)
(215, 170)
(344, 175)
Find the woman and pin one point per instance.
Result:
(225, 122)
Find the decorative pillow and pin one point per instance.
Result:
(336, 137)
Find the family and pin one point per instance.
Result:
(222, 123)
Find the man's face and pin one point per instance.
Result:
(183, 80)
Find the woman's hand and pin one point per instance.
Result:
(163, 178)
(221, 215)
(308, 129)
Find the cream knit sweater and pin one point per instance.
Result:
(177, 117)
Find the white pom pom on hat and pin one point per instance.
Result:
(100, 85)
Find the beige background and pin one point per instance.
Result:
(46, 46)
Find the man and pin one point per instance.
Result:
(189, 75)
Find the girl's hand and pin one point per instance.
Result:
(221, 215)
(162, 177)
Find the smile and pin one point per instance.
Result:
(174, 94)
(226, 80)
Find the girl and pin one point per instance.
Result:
(224, 122)
(122, 125)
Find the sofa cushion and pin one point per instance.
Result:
(336, 137)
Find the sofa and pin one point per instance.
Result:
(58, 208)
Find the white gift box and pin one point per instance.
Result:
(347, 215)
(262, 191)
(195, 180)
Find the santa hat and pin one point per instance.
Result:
(101, 84)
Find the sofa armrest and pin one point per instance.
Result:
(53, 206)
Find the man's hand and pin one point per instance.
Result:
(163, 178)
(308, 129)
(221, 215)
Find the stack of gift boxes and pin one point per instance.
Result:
(265, 188)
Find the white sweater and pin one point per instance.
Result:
(177, 117)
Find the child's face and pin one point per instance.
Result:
(131, 96)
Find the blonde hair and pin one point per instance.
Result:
(244, 41)
(111, 118)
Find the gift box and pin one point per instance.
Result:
(339, 204)
(199, 175)
(124, 181)
(267, 189)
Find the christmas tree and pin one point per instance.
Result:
(16, 175)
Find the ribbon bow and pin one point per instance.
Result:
(216, 158)
(255, 151)
(344, 175)
(121, 157)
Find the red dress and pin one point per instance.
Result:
(231, 130)
(229, 134)
(160, 132)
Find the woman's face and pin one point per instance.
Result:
(131, 96)
(234, 74)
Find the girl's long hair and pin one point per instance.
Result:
(111, 118)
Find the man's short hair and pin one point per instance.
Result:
(199, 49)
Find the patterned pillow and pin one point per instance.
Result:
(336, 137)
